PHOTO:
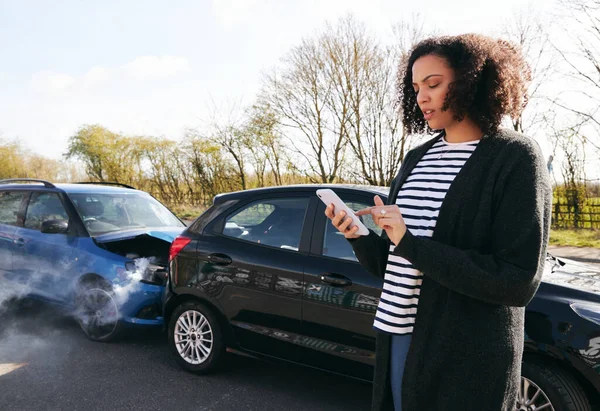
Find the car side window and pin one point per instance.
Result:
(43, 207)
(335, 244)
(10, 206)
(274, 222)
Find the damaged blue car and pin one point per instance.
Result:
(100, 250)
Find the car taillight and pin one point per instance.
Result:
(178, 244)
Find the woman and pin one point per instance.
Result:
(465, 233)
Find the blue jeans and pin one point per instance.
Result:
(399, 349)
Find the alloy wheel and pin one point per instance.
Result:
(97, 313)
(193, 337)
(532, 397)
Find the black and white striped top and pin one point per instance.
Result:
(419, 200)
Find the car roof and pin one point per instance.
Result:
(70, 188)
(95, 188)
(296, 188)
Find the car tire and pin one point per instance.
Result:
(97, 312)
(195, 337)
(557, 386)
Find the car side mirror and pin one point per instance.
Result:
(55, 227)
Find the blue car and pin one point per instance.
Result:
(99, 250)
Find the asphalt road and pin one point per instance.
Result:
(586, 255)
(54, 367)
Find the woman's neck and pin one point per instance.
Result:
(460, 132)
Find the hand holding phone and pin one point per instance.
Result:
(328, 196)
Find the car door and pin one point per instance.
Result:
(12, 204)
(43, 261)
(252, 262)
(340, 297)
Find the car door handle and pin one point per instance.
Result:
(20, 242)
(219, 259)
(336, 279)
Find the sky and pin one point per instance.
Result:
(156, 68)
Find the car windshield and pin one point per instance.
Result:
(107, 212)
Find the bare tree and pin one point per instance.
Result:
(376, 136)
(528, 30)
(265, 141)
(581, 25)
(206, 170)
(230, 137)
(336, 94)
(568, 141)
(300, 93)
(573, 173)
(163, 172)
(226, 129)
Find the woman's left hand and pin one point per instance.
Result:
(388, 218)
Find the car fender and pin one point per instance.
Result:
(182, 294)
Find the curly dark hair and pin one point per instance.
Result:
(491, 80)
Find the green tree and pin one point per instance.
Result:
(12, 157)
(107, 156)
(164, 172)
(264, 141)
(207, 169)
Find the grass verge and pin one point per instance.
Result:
(187, 212)
(575, 238)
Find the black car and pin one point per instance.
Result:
(263, 272)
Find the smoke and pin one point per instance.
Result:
(28, 329)
(9, 294)
(56, 281)
(47, 277)
(16, 339)
(103, 307)
(133, 277)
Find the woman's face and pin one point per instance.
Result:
(431, 79)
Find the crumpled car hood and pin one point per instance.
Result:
(573, 274)
(167, 234)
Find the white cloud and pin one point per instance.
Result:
(152, 66)
(142, 68)
(50, 82)
(95, 76)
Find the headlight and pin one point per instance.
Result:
(589, 311)
(146, 271)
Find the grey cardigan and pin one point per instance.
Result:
(481, 267)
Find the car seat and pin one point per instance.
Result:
(91, 209)
(286, 230)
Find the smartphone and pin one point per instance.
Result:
(330, 197)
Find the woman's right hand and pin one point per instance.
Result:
(341, 222)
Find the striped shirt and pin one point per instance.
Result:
(419, 200)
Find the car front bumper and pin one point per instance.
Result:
(144, 306)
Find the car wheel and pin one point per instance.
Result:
(550, 388)
(97, 312)
(195, 337)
